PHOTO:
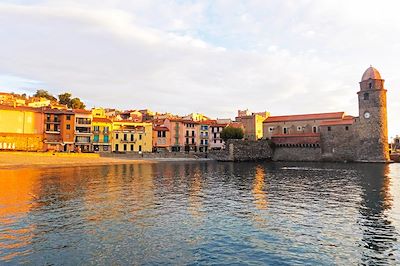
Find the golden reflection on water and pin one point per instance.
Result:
(195, 199)
(259, 194)
(17, 196)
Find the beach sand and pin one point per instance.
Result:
(33, 159)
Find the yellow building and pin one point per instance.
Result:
(102, 134)
(21, 128)
(131, 137)
(252, 124)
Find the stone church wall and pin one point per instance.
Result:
(298, 154)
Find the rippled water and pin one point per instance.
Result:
(201, 213)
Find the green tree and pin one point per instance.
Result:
(65, 98)
(232, 133)
(75, 103)
(44, 94)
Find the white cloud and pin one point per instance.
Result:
(213, 57)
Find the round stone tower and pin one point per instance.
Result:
(372, 124)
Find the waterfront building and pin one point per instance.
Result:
(83, 130)
(336, 136)
(192, 129)
(204, 135)
(129, 136)
(58, 130)
(21, 128)
(252, 123)
(102, 133)
(161, 138)
(177, 133)
(215, 141)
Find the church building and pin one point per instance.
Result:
(336, 136)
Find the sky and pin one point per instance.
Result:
(213, 57)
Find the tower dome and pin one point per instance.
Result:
(371, 73)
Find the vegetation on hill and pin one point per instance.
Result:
(75, 103)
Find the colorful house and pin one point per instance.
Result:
(102, 133)
(129, 136)
(83, 130)
(58, 130)
(161, 139)
(21, 128)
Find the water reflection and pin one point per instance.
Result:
(191, 212)
(379, 234)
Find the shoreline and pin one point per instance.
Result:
(15, 160)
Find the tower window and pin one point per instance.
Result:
(366, 96)
(314, 129)
(347, 127)
(370, 85)
(285, 130)
(329, 128)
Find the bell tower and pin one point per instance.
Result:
(372, 124)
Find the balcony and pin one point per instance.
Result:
(52, 122)
(52, 132)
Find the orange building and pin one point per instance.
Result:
(161, 139)
(21, 128)
(58, 130)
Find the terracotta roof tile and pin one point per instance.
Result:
(101, 120)
(303, 117)
(337, 122)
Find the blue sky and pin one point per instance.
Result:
(214, 57)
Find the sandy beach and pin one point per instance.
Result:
(31, 159)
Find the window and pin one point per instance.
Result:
(105, 139)
(131, 137)
(314, 129)
(140, 147)
(164, 134)
(140, 136)
(193, 133)
(116, 136)
(270, 129)
(96, 128)
(47, 127)
(366, 96)
(205, 142)
(106, 129)
(285, 130)
(68, 126)
(329, 129)
(201, 142)
(55, 118)
(347, 127)
(370, 85)
(220, 141)
(116, 147)
(131, 147)
(192, 141)
(299, 128)
(125, 147)
(125, 137)
(48, 117)
(68, 117)
(187, 132)
(96, 138)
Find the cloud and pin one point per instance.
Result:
(212, 57)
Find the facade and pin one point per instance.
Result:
(83, 131)
(21, 128)
(204, 135)
(252, 124)
(192, 129)
(336, 136)
(129, 136)
(215, 141)
(161, 139)
(177, 133)
(102, 133)
(58, 130)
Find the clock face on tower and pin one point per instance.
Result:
(367, 115)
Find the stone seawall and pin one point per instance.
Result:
(298, 154)
(243, 150)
